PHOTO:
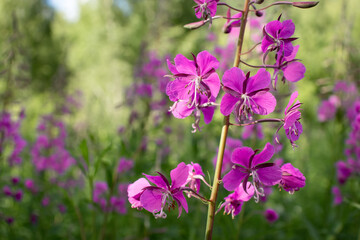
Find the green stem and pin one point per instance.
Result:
(224, 132)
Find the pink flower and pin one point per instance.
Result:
(343, 172)
(291, 178)
(193, 78)
(125, 165)
(271, 215)
(232, 21)
(246, 95)
(248, 163)
(234, 201)
(327, 108)
(205, 8)
(155, 198)
(277, 37)
(292, 125)
(337, 195)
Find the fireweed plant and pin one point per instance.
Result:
(195, 85)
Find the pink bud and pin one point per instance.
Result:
(305, 4)
(195, 25)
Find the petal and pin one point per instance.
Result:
(266, 103)
(233, 178)
(212, 8)
(208, 114)
(294, 71)
(184, 65)
(172, 94)
(273, 27)
(234, 78)
(181, 200)
(269, 175)
(265, 43)
(291, 119)
(182, 88)
(213, 82)
(227, 104)
(179, 175)
(242, 156)
(206, 62)
(151, 200)
(136, 187)
(288, 29)
(260, 80)
(157, 180)
(293, 96)
(242, 195)
(182, 110)
(293, 54)
(171, 67)
(288, 48)
(265, 155)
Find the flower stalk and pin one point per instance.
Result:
(224, 132)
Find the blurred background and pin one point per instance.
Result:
(84, 113)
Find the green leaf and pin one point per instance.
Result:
(85, 151)
(100, 158)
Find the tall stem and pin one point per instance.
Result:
(224, 132)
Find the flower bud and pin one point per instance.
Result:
(195, 25)
(259, 13)
(259, 1)
(305, 4)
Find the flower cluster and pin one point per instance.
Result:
(194, 89)
(49, 150)
(116, 202)
(10, 137)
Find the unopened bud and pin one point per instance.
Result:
(259, 1)
(195, 25)
(259, 13)
(305, 4)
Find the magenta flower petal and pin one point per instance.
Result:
(182, 88)
(208, 114)
(265, 103)
(233, 79)
(241, 156)
(293, 54)
(269, 175)
(181, 200)
(179, 175)
(206, 62)
(184, 65)
(293, 96)
(245, 196)
(265, 155)
(227, 104)
(151, 200)
(294, 71)
(233, 178)
(288, 29)
(261, 80)
(157, 180)
(171, 67)
(273, 27)
(182, 110)
(266, 42)
(134, 192)
(213, 82)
